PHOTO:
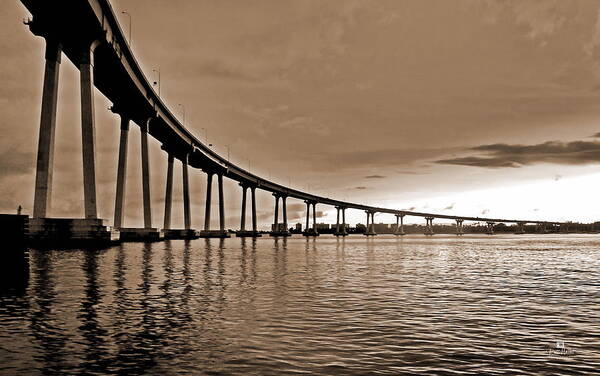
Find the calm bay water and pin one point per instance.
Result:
(354, 306)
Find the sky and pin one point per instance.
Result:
(466, 107)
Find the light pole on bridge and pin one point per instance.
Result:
(157, 82)
(128, 15)
(183, 108)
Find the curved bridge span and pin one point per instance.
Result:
(87, 33)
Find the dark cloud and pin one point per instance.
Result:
(360, 188)
(374, 177)
(485, 211)
(412, 208)
(505, 155)
(449, 207)
(596, 135)
(557, 177)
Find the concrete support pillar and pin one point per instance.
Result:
(284, 212)
(208, 203)
(429, 226)
(399, 224)
(276, 216)
(459, 227)
(45, 155)
(490, 228)
(221, 203)
(337, 220)
(187, 215)
(370, 223)
(243, 215)
(315, 217)
(169, 191)
(121, 173)
(254, 225)
(307, 216)
(344, 220)
(88, 137)
(146, 176)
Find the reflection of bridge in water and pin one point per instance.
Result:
(88, 33)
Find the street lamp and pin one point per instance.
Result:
(205, 135)
(155, 82)
(128, 15)
(183, 108)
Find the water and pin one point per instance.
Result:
(354, 306)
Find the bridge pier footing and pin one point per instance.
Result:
(70, 232)
(142, 234)
(181, 234)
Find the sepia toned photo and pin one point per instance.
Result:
(299, 187)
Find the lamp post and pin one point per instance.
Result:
(155, 82)
(183, 108)
(128, 15)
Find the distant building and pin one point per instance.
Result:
(298, 227)
(382, 228)
(322, 226)
(278, 227)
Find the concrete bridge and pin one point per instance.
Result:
(88, 33)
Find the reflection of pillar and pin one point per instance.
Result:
(187, 216)
(253, 191)
(45, 155)
(243, 215)
(221, 203)
(146, 177)
(88, 133)
(208, 199)
(121, 173)
(169, 191)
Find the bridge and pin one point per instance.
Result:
(87, 33)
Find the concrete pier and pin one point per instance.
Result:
(221, 232)
(67, 232)
(490, 228)
(429, 226)
(459, 227)
(146, 176)
(169, 193)
(277, 230)
(46, 141)
(340, 228)
(121, 173)
(311, 231)
(399, 225)
(370, 223)
(88, 131)
(133, 234)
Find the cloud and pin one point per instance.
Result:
(360, 187)
(557, 177)
(411, 208)
(449, 207)
(505, 155)
(596, 135)
(374, 177)
(15, 162)
(485, 211)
